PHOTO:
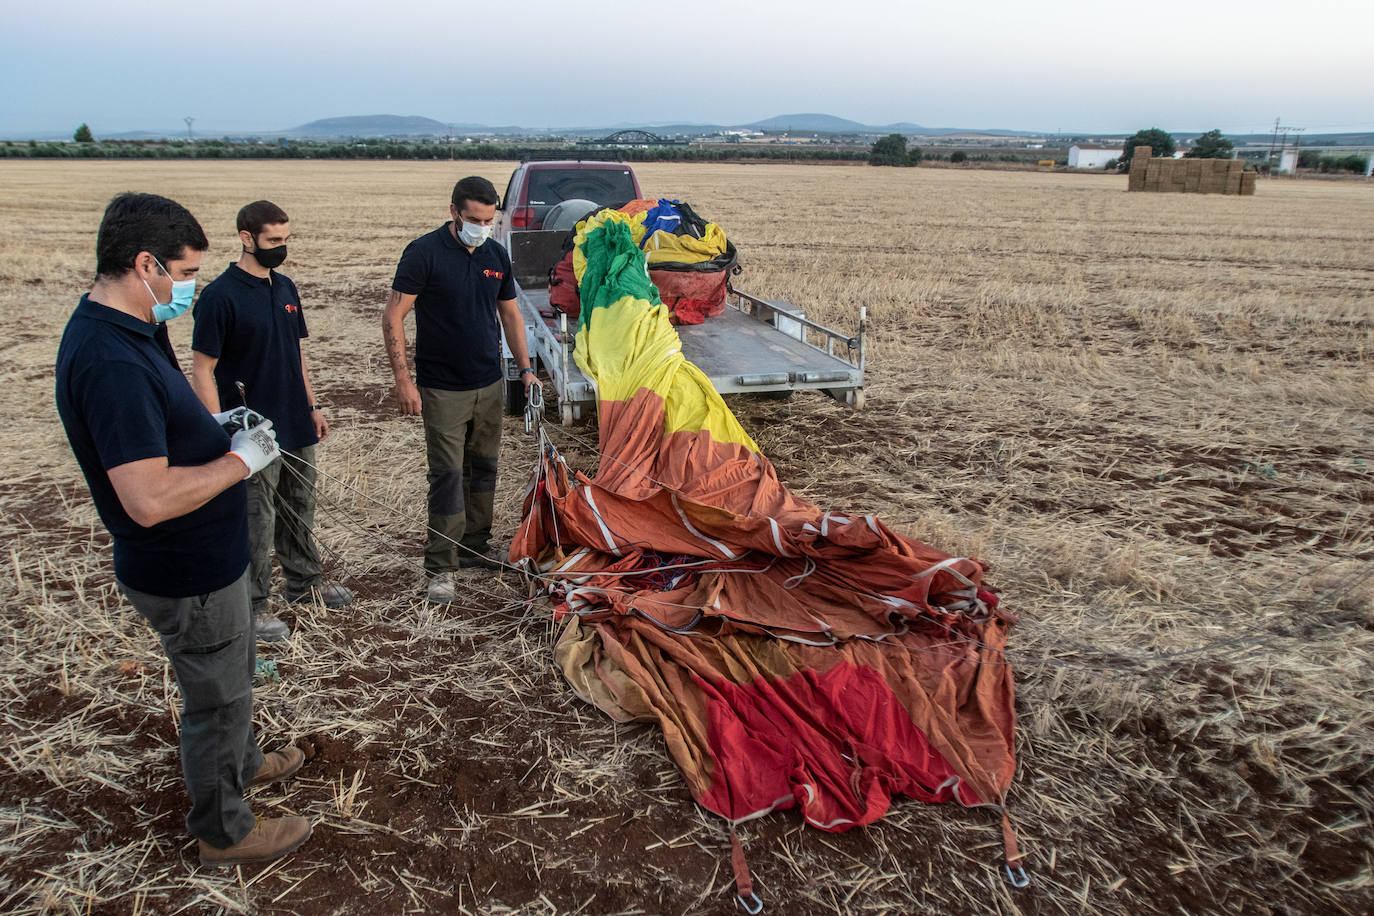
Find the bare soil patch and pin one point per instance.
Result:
(1151, 414)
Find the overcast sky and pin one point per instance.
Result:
(1108, 66)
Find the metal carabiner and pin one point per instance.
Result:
(534, 407)
(751, 910)
(1016, 877)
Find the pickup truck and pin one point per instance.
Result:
(755, 345)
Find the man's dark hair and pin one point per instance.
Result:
(474, 188)
(144, 222)
(258, 214)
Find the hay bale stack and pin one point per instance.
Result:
(1190, 176)
(1234, 169)
(1154, 175)
(1178, 175)
(1215, 181)
(1140, 161)
(1207, 181)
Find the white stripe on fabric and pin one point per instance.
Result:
(605, 532)
(568, 563)
(729, 554)
(947, 566)
(777, 537)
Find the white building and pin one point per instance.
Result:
(1085, 156)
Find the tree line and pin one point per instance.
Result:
(401, 149)
(891, 150)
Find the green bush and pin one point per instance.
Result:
(1160, 142)
(890, 150)
(1211, 145)
(958, 156)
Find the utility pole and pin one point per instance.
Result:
(1273, 141)
(1283, 147)
(190, 137)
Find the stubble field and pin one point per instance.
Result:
(1153, 414)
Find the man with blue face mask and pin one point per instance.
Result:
(167, 478)
(459, 283)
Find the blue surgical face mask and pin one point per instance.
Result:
(182, 293)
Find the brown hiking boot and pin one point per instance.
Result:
(270, 839)
(278, 765)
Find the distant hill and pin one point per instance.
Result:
(381, 125)
(819, 123)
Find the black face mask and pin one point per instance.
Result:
(270, 257)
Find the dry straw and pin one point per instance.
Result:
(1150, 414)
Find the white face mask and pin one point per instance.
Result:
(473, 235)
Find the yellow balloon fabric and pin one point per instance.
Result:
(626, 342)
(683, 249)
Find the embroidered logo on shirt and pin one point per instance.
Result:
(493, 273)
(291, 308)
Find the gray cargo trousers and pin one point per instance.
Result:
(209, 641)
(462, 440)
(281, 514)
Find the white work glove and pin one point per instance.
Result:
(255, 447)
(238, 418)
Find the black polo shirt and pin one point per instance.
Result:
(122, 398)
(457, 328)
(253, 326)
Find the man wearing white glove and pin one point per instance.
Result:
(167, 480)
(255, 446)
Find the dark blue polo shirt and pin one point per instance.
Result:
(122, 398)
(457, 328)
(253, 326)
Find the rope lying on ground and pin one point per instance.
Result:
(1248, 637)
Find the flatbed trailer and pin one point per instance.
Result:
(754, 346)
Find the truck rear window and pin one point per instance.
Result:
(600, 186)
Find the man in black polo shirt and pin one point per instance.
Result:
(167, 480)
(459, 283)
(249, 327)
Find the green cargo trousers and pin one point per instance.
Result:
(281, 514)
(209, 641)
(462, 440)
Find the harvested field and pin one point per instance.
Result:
(1151, 413)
